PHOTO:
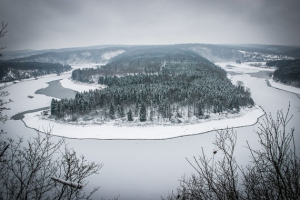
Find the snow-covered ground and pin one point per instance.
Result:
(242, 68)
(89, 65)
(109, 55)
(109, 131)
(79, 86)
(282, 86)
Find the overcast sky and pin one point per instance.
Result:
(46, 24)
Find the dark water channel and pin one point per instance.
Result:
(55, 89)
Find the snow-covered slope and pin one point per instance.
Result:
(99, 56)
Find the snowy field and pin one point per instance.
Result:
(78, 86)
(109, 131)
(243, 68)
(109, 55)
(88, 65)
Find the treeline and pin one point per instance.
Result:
(177, 90)
(89, 75)
(10, 71)
(288, 71)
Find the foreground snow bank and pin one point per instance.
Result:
(111, 132)
(282, 86)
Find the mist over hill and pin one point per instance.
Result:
(212, 52)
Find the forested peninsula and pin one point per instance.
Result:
(287, 72)
(154, 84)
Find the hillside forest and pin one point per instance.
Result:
(287, 72)
(10, 71)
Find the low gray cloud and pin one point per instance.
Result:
(43, 24)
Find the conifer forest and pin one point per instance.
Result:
(155, 83)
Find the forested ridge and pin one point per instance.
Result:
(10, 71)
(140, 59)
(287, 72)
(184, 86)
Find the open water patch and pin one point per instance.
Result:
(55, 89)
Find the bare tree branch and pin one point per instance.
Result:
(273, 173)
(3, 32)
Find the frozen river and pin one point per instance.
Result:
(148, 169)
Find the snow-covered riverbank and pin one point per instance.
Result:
(248, 116)
(282, 86)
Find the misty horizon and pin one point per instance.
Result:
(40, 25)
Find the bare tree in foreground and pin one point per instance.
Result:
(3, 102)
(274, 171)
(39, 170)
(3, 32)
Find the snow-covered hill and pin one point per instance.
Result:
(99, 56)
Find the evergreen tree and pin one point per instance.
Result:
(200, 110)
(53, 106)
(151, 114)
(119, 110)
(129, 115)
(122, 114)
(143, 113)
(111, 111)
(136, 110)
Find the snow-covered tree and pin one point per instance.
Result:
(129, 115)
(111, 111)
(143, 113)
